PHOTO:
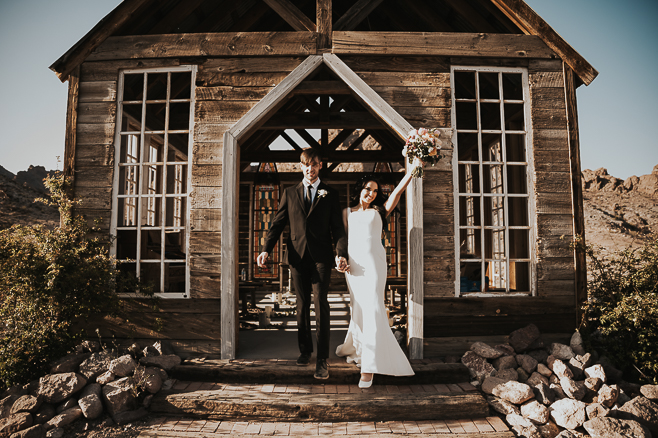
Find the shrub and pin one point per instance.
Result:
(49, 279)
(621, 315)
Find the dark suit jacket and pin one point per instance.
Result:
(312, 230)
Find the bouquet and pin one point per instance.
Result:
(425, 145)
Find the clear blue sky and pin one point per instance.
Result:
(617, 111)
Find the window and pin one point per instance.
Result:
(152, 178)
(493, 203)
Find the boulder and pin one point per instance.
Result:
(561, 351)
(65, 418)
(573, 389)
(478, 366)
(559, 367)
(26, 403)
(576, 343)
(596, 371)
(528, 363)
(518, 420)
(523, 376)
(105, 378)
(568, 413)
(508, 374)
(123, 366)
(490, 383)
(642, 410)
(539, 355)
(119, 396)
(486, 351)
(548, 430)
(593, 383)
(544, 370)
(6, 404)
(523, 338)
(606, 427)
(56, 432)
(506, 349)
(650, 391)
(96, 364)
(91, 406)
(503, 406)
(505, 362)
(513, 392)
(14, 423)
(37, 431)
(45, 413)
(536, 378)
(92, 388)
(55, 388)
(535, 412)
(596, 410)
(67, 404)
(608, 395)
(544, 394)
(569, 434)
(166, 362)
(68, 364)
(152, 380)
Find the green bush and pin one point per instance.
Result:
(621, 315)
(49, 279)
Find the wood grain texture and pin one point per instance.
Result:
(71, 136)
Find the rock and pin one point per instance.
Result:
(518, 420)
(523, 376)
(14, 423)
(490, 383)
(544, 394)
(506, 349)
(549, 430)
(65, 418)
(45, 413)
(57, 432)
(561, 351)
(503, 406)
(650, 391)
(596, 371)
(119, 396)
(613, 375)
(568, 413)
(96, 364)
(558, 391)
(508, 374)
(164, 348)
(544, 370)
(607, 395)
(523, 338)
(528, 363)
(166, 362)
(148, 400)
(150, 351)
(135, 350)
(536, 378)
(576, 343)
(535, 412)
(37, 431)
(573, 389)
(484, 350)
(152, 382)
(527, 432)
(123, 366)
(55, 388)
(596, 410)
(504, 363)
(105, 378)
(129, 416)
(68, 364)
(622, 398)
(6, 404)
(91, 406)
(68, 404)
(578, 363)
(593, 383)
(559, 368)
(539, 355)
(513, 392)
(606, 427)
(477, 366)
(642, 410)
(26, 403)
(92, 388)
(569, 434)
(631, 389)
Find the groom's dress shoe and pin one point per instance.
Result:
(303, 359)
(321, 370)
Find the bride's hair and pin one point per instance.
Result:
(380, 199)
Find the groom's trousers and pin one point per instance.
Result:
(312, 279)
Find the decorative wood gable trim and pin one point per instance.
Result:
(532, 24)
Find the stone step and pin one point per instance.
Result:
(320, 402)
(427, 371)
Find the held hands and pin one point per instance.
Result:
(416, 163)
(341, 265)
(262, 258)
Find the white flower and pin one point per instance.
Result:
(322, 193)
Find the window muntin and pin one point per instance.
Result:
(492, 185)
(152, 178)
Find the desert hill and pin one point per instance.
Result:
(17, 195)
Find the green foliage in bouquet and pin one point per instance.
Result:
(621, 315)
(49, 280)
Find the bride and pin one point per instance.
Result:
(369, 342)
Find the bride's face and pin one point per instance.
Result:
(369, 192)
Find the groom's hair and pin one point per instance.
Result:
(309, 155)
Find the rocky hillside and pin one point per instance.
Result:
(17, 195)
(620, 213)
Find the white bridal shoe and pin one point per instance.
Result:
(368, 384)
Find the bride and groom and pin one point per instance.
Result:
(313, 212)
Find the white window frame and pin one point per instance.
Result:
(141, 188)
(530, 184)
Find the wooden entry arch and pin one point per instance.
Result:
(230, 173)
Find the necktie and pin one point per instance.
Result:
(309, 197)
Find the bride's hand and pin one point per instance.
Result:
(416, 163)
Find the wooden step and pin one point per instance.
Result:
(286, 371)
(320, 402)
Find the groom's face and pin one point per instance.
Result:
(311, 170)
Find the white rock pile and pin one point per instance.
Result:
(560, 390)
(90, 383)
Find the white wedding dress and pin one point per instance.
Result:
(369, 341)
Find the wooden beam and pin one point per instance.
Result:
(290, 141)
(576, 191)
(175, 16)
(95, 37)
(71, 123)
(346, 120)
(441, 44)
(532, 24)
(369, 156)
(322, 87)
(471, 15)
(356, 14)
(308, 138)
(206, 44)
(323, 23)
(292, 15)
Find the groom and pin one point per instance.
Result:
(313, 211)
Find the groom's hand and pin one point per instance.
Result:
(261, 259)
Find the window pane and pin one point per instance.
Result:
(467, 145)
(519, 244)
(520, 276)
(178, 146)
(155, 116)
(128, 270)
(150, 274)
(515, 147)
(516, 179)
(175, 245)
(133, 86)
(151, 244)
(128, 212)
(129, 175)
(176, 179)
(469, 211)
(470, 276)
(518, 211)
(489, 86)
(126, 244)
(494, 211)
(490, 115)
(512, 86)
(466, 115)
(469, 178)
(179, 116)
(492, 147)
(152, 211)
(130, 150)
(465, 85)
(157, 86)
(176, 212)
(132, 117)
(514, 117)
(470, 243)
(174, 277)
(492, 175)
(180, 85)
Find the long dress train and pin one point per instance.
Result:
(369, 341)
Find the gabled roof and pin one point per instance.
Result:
(148, 17)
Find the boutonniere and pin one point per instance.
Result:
(322, 193)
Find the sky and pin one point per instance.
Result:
(616, 111)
